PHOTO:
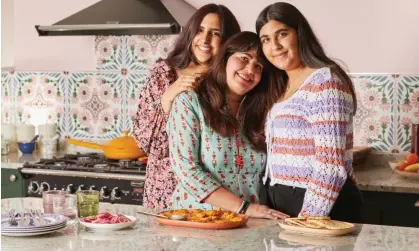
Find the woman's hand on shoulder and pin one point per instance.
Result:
(262, 211)
(183, 83)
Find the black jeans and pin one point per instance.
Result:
(348, 206)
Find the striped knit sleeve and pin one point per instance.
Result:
(330, 114)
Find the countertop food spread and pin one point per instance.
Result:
(148, 234)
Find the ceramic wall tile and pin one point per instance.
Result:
(95, 108)
(134, 84)
(39, 97)
(131, 53)
(109, 52)
(102, 104)
(7, 98)
(406, 112)
(373, 122)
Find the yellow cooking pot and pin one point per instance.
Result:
(123, 147)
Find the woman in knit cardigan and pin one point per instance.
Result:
(309, 126)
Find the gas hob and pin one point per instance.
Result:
(118, 181)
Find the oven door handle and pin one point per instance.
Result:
(137, 183)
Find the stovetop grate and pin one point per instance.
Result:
(89, 162)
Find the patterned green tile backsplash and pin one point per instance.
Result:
(387, 106)
(102, 104)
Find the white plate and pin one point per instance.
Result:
(51, 219)
(110, 227)
(31, 233)
(33, 230)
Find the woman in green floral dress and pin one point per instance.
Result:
(216, 141)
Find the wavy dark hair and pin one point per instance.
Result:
(181, 55)
(213, 89)
(310, 50)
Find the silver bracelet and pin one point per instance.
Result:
(241, 207)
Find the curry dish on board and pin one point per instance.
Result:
(205, 216)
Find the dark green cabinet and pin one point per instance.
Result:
(393, 209)
(12, 183)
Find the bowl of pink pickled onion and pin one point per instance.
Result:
(108, 221)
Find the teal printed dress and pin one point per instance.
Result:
(203, 160)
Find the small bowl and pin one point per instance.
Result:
(394, 164)
(26, 148)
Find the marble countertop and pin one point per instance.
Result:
(148, 235)
(382, 179)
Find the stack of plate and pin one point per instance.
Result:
(53, 223)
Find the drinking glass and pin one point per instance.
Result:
(66, 207)
(87, 203)
(48, 198)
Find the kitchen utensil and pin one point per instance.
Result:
(123, 147)
(12, 218)
(26, 148)
(394, 164)
(34, 139)
(8, 132)
(56, 136)
(173, 217)
(5, 148)
(25, 133)
(47, 131)
(415, 139)
(48, 147)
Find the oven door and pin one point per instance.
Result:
(12, 184)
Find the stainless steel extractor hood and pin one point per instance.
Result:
(123, 17)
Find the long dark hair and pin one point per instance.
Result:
(181, 55)
(310, 50)
(213, 89)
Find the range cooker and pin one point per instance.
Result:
(118, 181)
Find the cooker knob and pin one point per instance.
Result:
(44, 187)
(81, 187)
(70, 188)
(104, 193)
(33, 187)
(116, 194)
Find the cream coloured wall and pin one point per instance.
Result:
(34, 53)
(373, 36)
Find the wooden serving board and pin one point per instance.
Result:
(316, 231)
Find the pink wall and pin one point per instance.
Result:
(374, 36)
(34, 53)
